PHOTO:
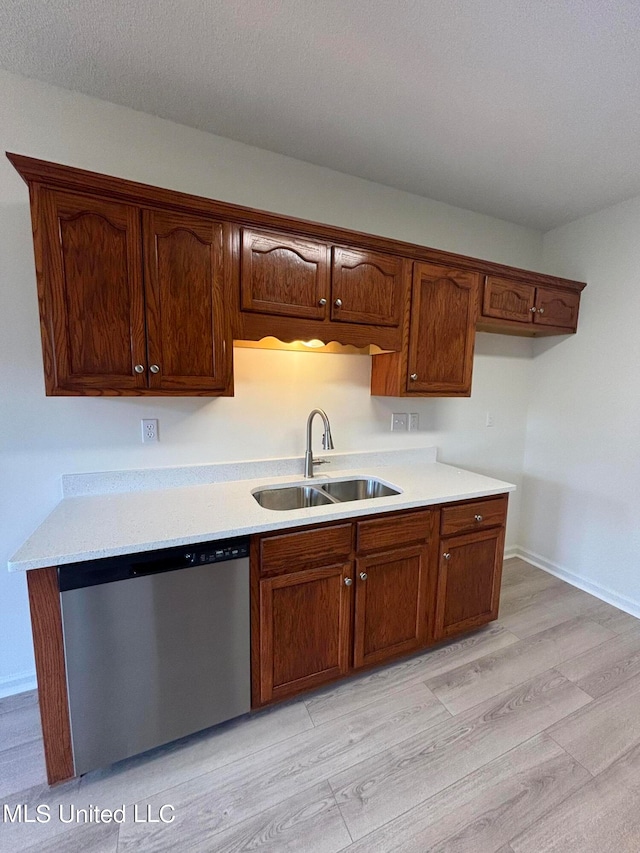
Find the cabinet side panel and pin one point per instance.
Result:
(46, 625)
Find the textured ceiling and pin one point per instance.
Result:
(524, 109)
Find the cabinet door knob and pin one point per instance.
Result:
(348, 581)
(447, 555)
(154, 368)
(322, 301)
(338, 303)
(363, 576)
(478, 517)
(414, 376)
(540, 310)
(533, 309)
(139, 368)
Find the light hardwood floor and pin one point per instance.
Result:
(523, 737)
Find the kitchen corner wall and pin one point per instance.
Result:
(42, 438)
(581, 494)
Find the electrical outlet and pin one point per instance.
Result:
(489, 421)
(399, 421)
(149, 430)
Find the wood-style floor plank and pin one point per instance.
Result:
(84, 838)
(473, 683)
(603, 669)
(20, 726)
(599, 734)
(602, 816)
(251, 785)
(384, 786)
(482, 811)
(544, 610)
(356, 693)
(22, 767)
(308, 821)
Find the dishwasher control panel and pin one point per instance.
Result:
(145, 563)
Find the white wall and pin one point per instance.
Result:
(41, 438)
(581, 496)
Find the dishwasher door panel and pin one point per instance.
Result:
(154, 658)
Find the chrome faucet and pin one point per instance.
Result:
(327, 442)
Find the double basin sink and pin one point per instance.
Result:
(339, 491)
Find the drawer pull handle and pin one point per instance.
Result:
(478, 517)
(447, 555)
(363, 576)
(348, 581)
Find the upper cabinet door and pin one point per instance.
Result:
(508, 300)
(284, 275)
(366, 287)
(556, 308)
(188, 343)
(92, 305)
(442, 331)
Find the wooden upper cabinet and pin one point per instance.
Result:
(531, 309)
(555, 307)
(366, 287)
(508, 300)
(89, 265)
(442, 330)
(284, 275)
(184, 279)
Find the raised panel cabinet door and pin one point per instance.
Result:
(284, 275)
(442, 331)
(89, 264)
(469, 574)
(366, 287)
(508, 300)
(304, 629)
(391, 604)
(556, 308)
(188, 342)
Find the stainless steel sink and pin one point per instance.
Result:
(359, 489)
(299, 497)
(291, 497)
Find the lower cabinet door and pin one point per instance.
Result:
(469, 575)
(391, 604)
(305, 629)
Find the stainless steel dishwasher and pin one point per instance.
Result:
(157, 646)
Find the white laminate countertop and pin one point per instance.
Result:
(94, 526)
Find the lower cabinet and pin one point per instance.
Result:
(391, 604)
(469, 577)
(305, 629)
(334, 598)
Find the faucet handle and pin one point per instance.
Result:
(322, 462)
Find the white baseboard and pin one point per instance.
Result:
(622, 602)
(17, 684)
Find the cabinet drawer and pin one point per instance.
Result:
(389, 532)
(475, 515)
(289, 552)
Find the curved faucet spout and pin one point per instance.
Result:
(327, 441)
